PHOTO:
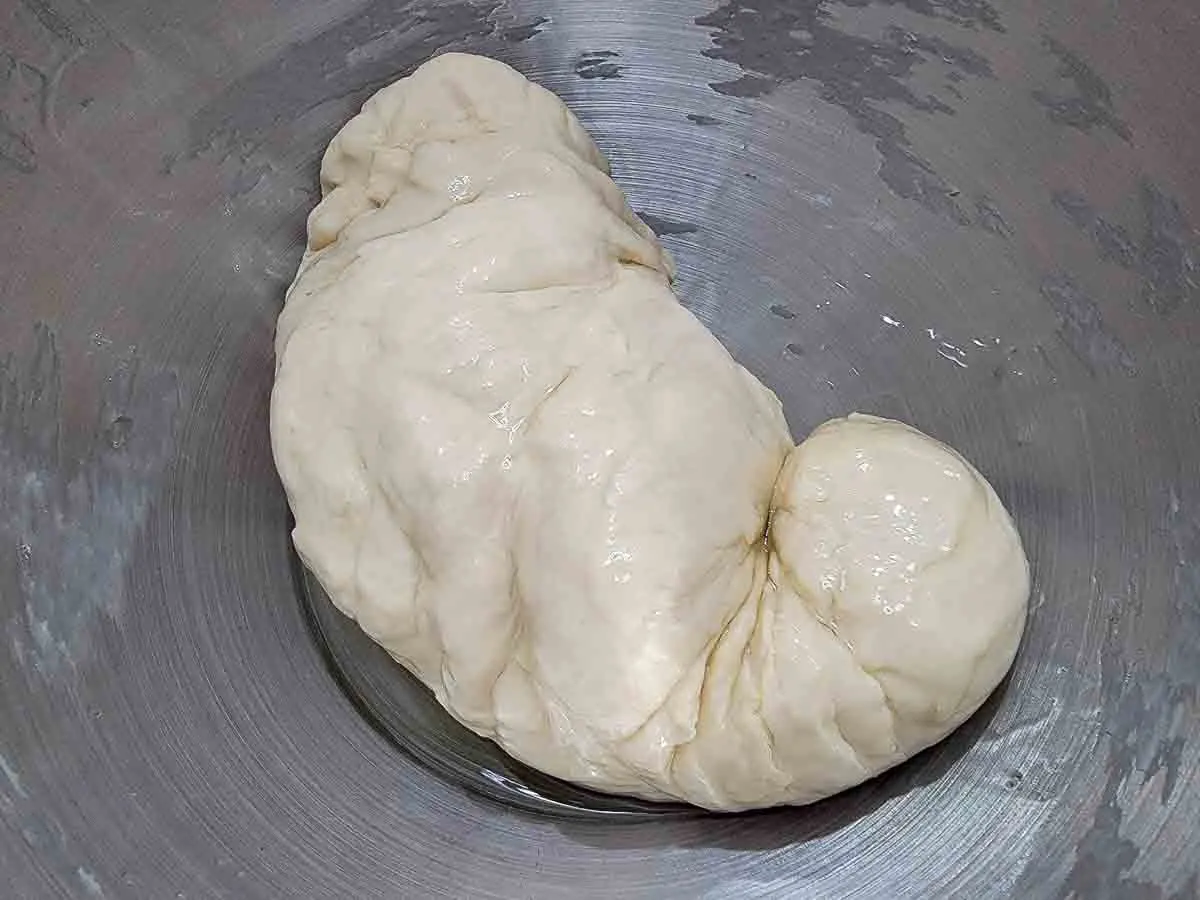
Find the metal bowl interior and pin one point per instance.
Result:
(978, 218)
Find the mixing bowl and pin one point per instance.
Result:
(977, 217)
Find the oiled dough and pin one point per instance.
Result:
(547, 490)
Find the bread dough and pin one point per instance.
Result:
(534, 478)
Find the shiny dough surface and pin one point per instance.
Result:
(548, 491)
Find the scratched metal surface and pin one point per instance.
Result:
(981, 218)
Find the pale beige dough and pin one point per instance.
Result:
(549, 492)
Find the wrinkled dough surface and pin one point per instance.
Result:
(538, 481)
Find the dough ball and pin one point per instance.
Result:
(542, 485)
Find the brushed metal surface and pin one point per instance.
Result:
(978, 217)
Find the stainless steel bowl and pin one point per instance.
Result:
(979, 218)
